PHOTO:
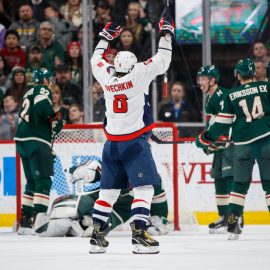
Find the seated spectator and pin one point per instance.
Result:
(26, 26)
(127, 42)
(12, 52)
(71, 92)
(38, 7)
(177, 109)
(9, 118)
(74, 61)
(98, 102)
(53, 53)
(58, 102)
(260, 70)
(260, 51)
(117, 10)
(72, 12)
(18, 86)
(4, 74)
(63, 29)
(137, 22)
(35, 61)
(75, 114)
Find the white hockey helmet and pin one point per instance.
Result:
(124, 61)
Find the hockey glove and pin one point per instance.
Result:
(166, 25)
(56, 123)
(111, 31)
(201, 142)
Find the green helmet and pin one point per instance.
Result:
(209, 71)
(40, 74)
(245, 67)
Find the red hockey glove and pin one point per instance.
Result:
(166, 25)
(110, 31)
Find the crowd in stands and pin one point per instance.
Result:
(48, 34)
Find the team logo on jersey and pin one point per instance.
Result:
(148, 61)
(140, 174)
(100, 64)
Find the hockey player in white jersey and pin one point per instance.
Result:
(128, 121)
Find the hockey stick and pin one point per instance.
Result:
(165, 81)
(154, 138)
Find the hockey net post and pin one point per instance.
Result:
(77, 143)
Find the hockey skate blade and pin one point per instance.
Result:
(140, 249)
(222, 230)
(233, 236)
(94, 249)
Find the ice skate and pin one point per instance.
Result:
(98, 243)
(235, 226)
(220, 226)
(26, 225)
(142, 241)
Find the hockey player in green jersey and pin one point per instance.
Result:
(247, 111)
(71, 215)
(207, 79)
(38, 125)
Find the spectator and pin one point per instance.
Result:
(127, 42)
(260, 70)
(98, 102)
(12, 52)
(72, 93)
(18, 86)
(72, 12)
(260, 51)
(75, 113)
(35, 61)
(9, 119)
(5, 18)
(58, 102)
(102, 17)
(63, 29)
(53, 53)
(74, 61)
(137, 22)
(117, 10)
(38, 7)
(26, 26)
(4, 74)
(177, 109)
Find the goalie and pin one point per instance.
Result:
(71, 215)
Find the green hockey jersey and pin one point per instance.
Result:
(34, 115)
(247, 110)
(213, 105)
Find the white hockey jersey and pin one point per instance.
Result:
(128, 114)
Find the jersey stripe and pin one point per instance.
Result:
(127, 137)
(39, 98)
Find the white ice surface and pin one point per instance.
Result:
(179, 250)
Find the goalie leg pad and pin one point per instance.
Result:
(59, 227)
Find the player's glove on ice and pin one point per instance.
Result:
(56, 123)
(111, 31)
(166, 25)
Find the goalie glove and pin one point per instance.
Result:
(86, 171)
(56, 123)
(166, 25)
(110, 31)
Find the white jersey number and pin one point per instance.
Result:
(24, 114)
(257, 109)
(120, 104)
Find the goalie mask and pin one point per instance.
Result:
(125, 61)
